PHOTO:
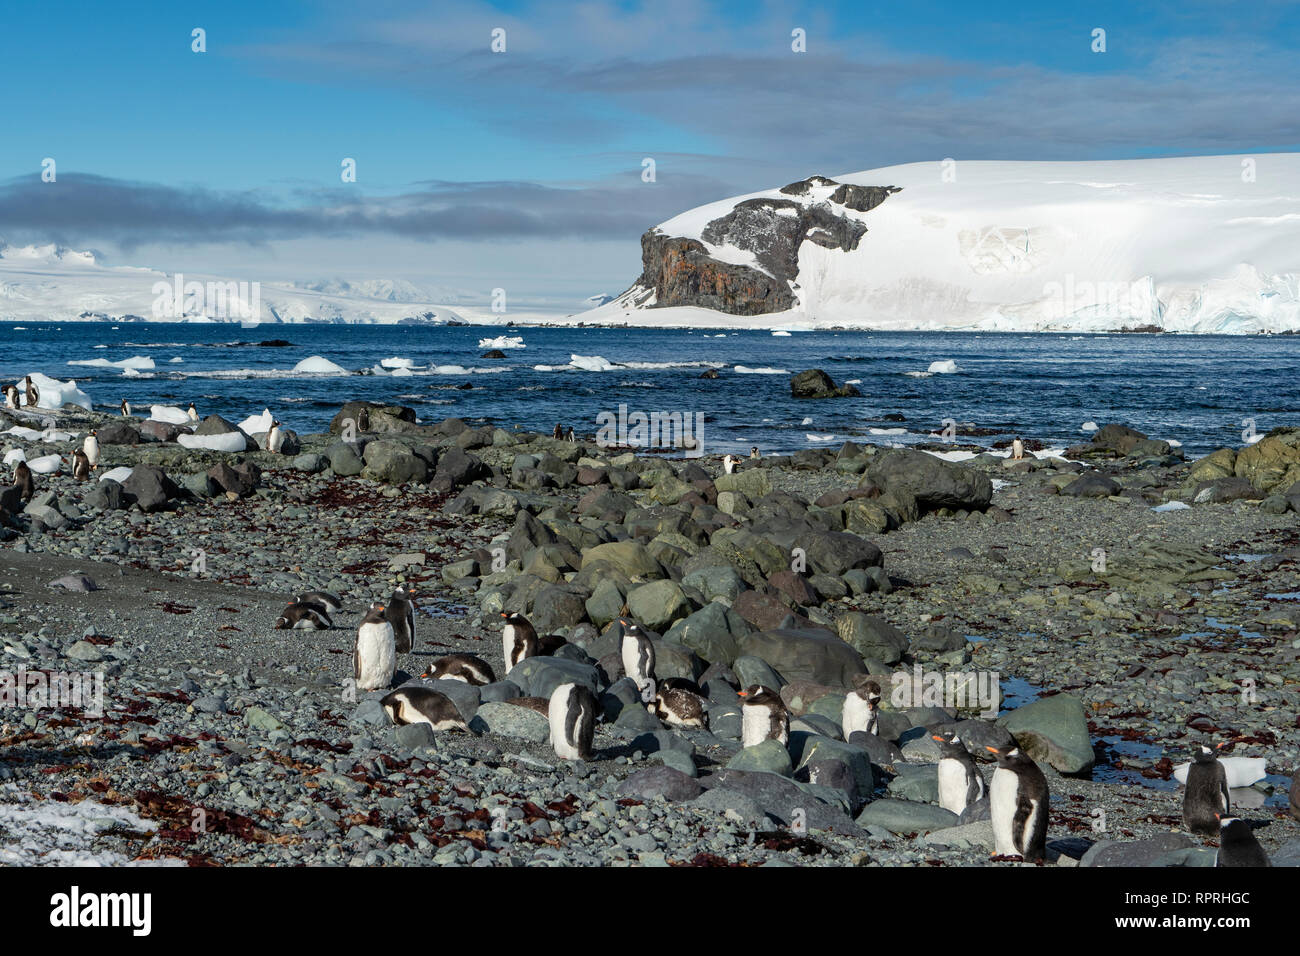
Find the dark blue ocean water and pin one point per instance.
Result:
(1195, 389)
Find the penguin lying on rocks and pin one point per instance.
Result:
(422, 705)
(462, 667)
(302, 616)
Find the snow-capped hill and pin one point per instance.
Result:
(47, 253)
(1201, 244)
(48, 282)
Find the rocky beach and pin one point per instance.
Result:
(1126, 603)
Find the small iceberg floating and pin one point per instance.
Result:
(317, 365)
(818, 438)
(503, 342)
(945, 367)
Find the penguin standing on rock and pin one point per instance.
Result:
(1238, 846)
(558, 432)
(23, 479)
(638, 655)
(763, 716)
(518, 640)
(401, 615)
(729, 465)
(33, 393)
(11, 396)
(1018, 805)
(363, 420)
(572, 716)
(423, 705)
(465, 668)
(753, 452)
(960, 782)
(274, 438)
(80, 466)
(374, 659)
(570, 437)
(126, 408)
(862, 707)
(192, 412)
(1207, 793)
(91, 447)
(1017, 449)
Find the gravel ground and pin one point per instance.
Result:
(234, 743)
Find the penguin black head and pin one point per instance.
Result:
(1009, 756)
(375, 615)
(759, 694)
(949, 743)
(1207, 754)
(867, 688)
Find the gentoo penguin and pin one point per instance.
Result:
(324, 598)
(401, 615)
(1237, 844)
(301, 616)
(126, 408)
(678, 707)
(572, 715)
(518, 640)
(753, 452)
(763, 716)
(422, 705)
(1017, 449)
(91, 447)
(363, 420)
(374, 659)
(862, 707)
(33, 393)
(729, 465)
(1207, 793)
(1295, 794)
(23, 479)
(11, 396)
(274, 438)
(960, 782)
(192, 412)
(558, 431)
(1018, 805)
(80, 466)
(638, 654)
(570, 437)
(465, 668)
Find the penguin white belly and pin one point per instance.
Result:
(377, 653)
(558, 716)
(858, 715)
(952, 785)
(275, 440)
(754, 725)
(508, 647)
(91, 448)
(631, 663)
(1003, 796)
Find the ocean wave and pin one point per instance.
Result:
(745, 370)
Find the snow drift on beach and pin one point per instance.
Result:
(49, 833)
(226, 441)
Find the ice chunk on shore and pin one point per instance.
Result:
(226, 441)
(169, 414)
(1172, 506)
(316, 365)
(119, 474)
(45, 465)
(257, 423)
(1241, 771)
(56, 394)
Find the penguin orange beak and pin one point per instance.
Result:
(379, 607)
(991, 750)
(743, 693)
(936, 737)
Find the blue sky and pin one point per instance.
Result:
(475, 167)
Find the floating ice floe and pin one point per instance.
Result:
(806, 421)
(119, 474)
(137, 362)
(818, 438)
(226, 441)
(45, 465)
(317, 365)
(887, 431)
(1088, 427)
(401, 372)
(780, 332)
(55, 394)
(1241, 771)
(177, 360)
(396, 363)
(503, 342)
(591, 363)
(169, 414)
(945, 367)
(745, 370)
(1172, 506)
(853, 381)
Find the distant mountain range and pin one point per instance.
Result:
(1200, 244)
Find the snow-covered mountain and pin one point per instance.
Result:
(49, 282)
(1200, 244)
